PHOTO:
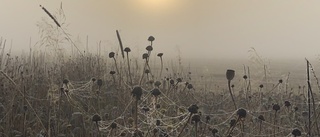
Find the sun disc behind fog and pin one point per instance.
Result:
(157, 6)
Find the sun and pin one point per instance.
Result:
(157, 6)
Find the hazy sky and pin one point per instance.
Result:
(198, 28)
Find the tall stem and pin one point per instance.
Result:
(234, 103)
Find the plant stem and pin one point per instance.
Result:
(234, 103)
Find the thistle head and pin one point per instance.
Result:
(149, 48)
(137, 92)
(193, 109)
(160, 55)
(242, 113)
(145, 55)
(151, 38)
(276, 107)
(111, 55)
(127, 49)
(230, 74)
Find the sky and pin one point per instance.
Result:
(211, 29)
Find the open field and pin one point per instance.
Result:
(91, 95)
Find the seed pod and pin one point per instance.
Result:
(99, 82)
(149, 48)
(261, 118)
(276, 107)
(245, 77)
(151, 39)
(158, 122)
(214, 131)
(287, 103)
(160, 54)
(296, 132)
(179, 79)
(25, 108)
(242, 113)
(112, 72)
(96, 118)
(122, 134)
(137, 92)
(260, 86)
(147, 71)
(193, 109)
(230, 74)
(280, 81)
(196, 118)
(127, 49)
(232, 122)
(207, 118)
(145, 109)
(93, 79)
(113, 125)
(171, 81)
(157, 83)
(296, 108)
(111, 55)
(65, 81)
(190, 86)
(156, 92)
(145, 55)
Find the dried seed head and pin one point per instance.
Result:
(111, 55)
(214, 131)
(149, 48)
(242, 113)
(232, 86)
(193, 109)
(137, 92)
(260, 86)
(276, 107)
(93, 79)
(207, 118)
(113, 125)
(157, 83)
(145, 55)
(261, 118)
(122, 134)
(287, 103)
(245, 77)
(296, 132)
(145, 109)
(190, 86)
(230, 74)
(65, 81)
(99, 82)
(151, 39)
(25, 108)
(96, 118)
(280, 81)
(155, 92)
(112, 72)
(130, 120)
(179, 79)
(158, 122)
(160, 54)
(158, 106)
(196, 118)
(171, 81)
(232, 122)
(296, 108)
(147, 71)
(127, 49)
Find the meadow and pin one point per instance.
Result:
(120, 93)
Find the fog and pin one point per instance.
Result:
(210, 29)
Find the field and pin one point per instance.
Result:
(120, 93)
